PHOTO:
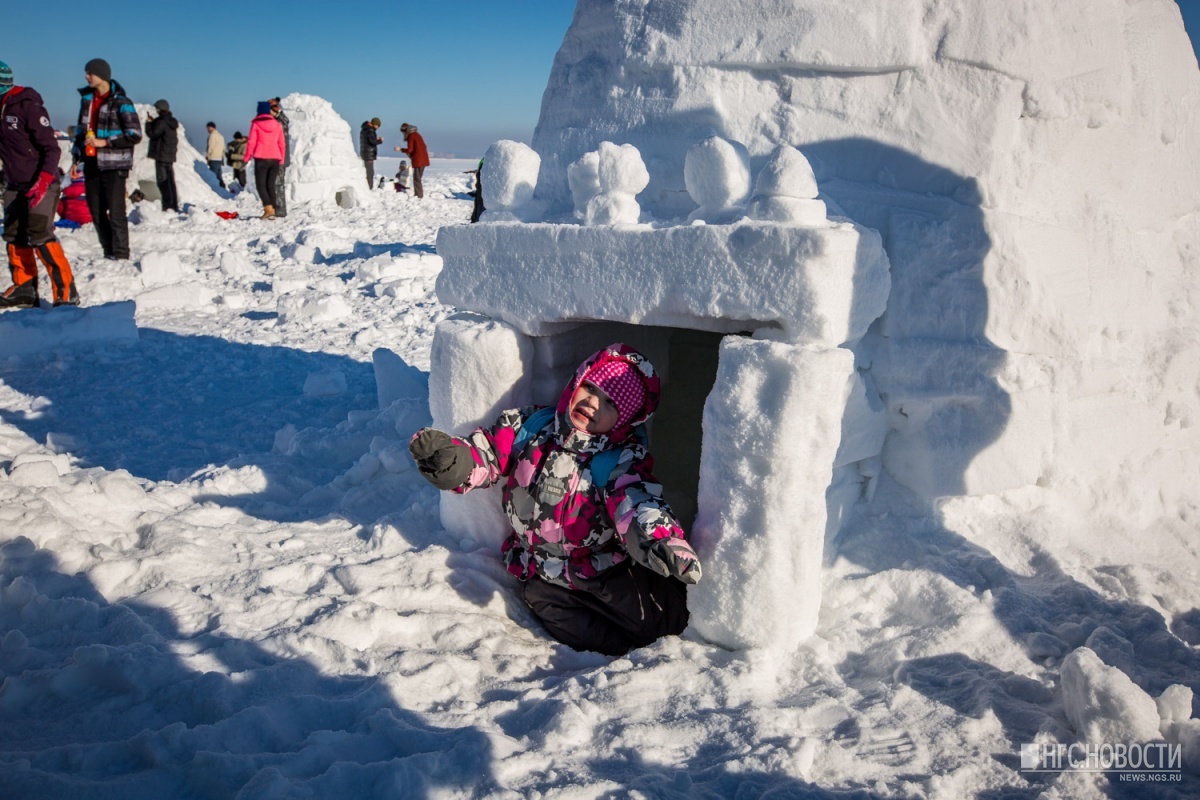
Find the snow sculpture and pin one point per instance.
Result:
(509, 175)
(717, 174)
(620, 174)
(324, 169)
(786, 190)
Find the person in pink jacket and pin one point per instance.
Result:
(602, 560)
(266, 146)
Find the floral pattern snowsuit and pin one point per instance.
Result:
(565, 525)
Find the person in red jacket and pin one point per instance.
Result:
(414, 148)
(73, 206)
(266, 147)
(32, 181)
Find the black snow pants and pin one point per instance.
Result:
(626, 607)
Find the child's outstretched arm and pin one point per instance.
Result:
(440, 459)
(472, 462)
(648, 527)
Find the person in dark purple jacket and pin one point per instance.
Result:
(32, 182)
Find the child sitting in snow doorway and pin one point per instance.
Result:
(601, 558)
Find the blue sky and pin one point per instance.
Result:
(466, 72)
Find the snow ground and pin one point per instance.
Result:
(220, 576)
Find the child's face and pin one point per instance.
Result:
(591, 409)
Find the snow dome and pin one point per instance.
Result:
(991, 225)
(324, 167)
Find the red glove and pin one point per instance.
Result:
(38, 190)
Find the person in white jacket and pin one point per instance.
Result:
(215, 152)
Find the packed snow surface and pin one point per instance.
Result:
(220, 573)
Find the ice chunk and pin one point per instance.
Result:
(162, 268)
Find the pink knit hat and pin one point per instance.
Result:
(620, 380)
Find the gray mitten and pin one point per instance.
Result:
(444, 462)
(674, 558)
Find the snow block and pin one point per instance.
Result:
(772, 428)
(478, 368)
(822, 286)
(395, 378)
(1103, 704)
(42, 330)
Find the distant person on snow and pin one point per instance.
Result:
(32, 179)
(602, 560)
(235, 156)
(477, 208)
(105, 136)
(163, 133)
(281, 180)
(368, 147)
(73, 206)
(266, 147)
(214, 151)
(414, 148)
(402, 177)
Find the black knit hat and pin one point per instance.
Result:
(162, 105)
(100, 68)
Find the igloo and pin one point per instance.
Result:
(1011, 234)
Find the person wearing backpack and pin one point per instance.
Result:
(602, 560)
(163, 133)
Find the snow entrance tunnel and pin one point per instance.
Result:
(766, 431)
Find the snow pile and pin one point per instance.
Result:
(1103, 704)
(324, 167)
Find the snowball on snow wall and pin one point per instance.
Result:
(716, 172)
(508, 177)
(786, 190)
